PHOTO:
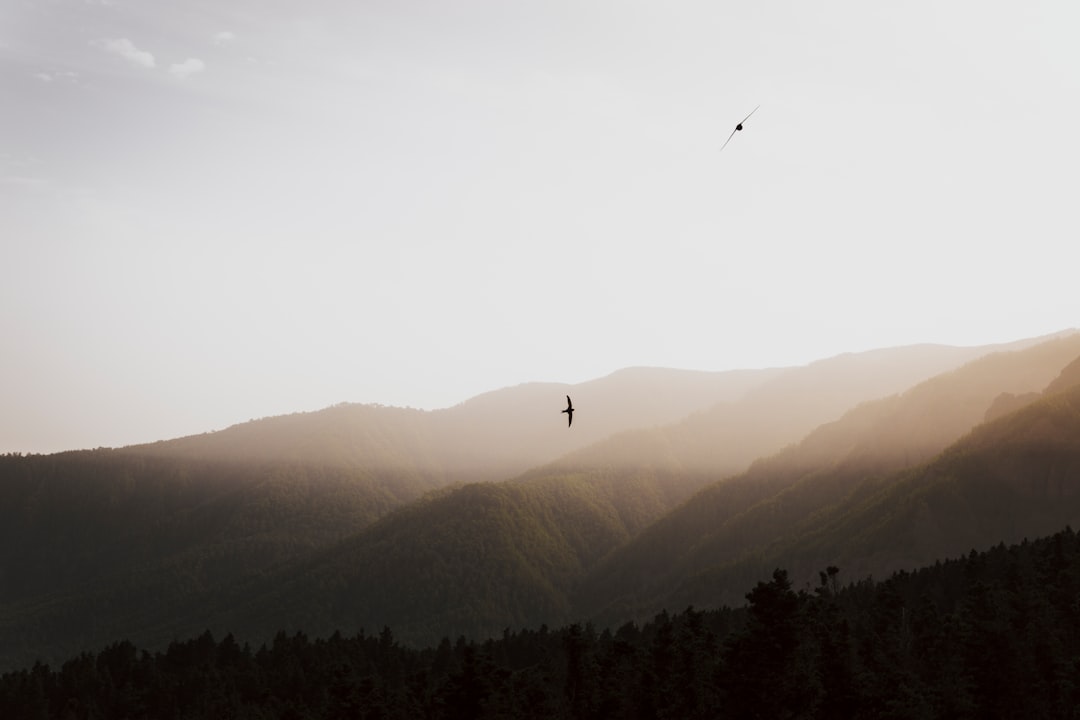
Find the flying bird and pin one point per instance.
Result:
(737, 129)
(569, 412)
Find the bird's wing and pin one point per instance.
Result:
(726, 141)
(568, 403)
(569, 419)
(748, 116)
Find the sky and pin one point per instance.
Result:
(218, 211)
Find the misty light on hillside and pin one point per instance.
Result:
(670, 489)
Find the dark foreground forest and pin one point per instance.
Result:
(993, 634)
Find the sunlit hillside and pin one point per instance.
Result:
(363, 516)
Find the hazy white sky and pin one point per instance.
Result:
(212, 211)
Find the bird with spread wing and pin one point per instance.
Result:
(737, 129)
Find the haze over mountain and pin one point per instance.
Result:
(315, 520)
(492, 436)
(727, 437)
(505, 432)
(741, 527)
(216, 210)
(535, 548)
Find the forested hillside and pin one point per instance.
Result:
(359, 516)
(157, 537)
(470, 561)
(722, 537)
(1016, 477)
(99, 542)
(993, 634)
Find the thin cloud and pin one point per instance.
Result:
(224, 37)
(126, 49)
(67, 76)
(187, 68)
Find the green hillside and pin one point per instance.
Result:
(1015, 477)
(359, 516)
(734, 522)
(155, 538)
(992, 634)
(470, 561)
(98, 542)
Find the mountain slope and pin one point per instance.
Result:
(725, 438)
(993, 634)
(506, 432)
(472, 560)
(163, 538)
(485, 557)
(489, 437)
(1015, 477)
(95, 542)
(743, 516)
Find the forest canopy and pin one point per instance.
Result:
(993, 634)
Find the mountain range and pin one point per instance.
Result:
(672, 488)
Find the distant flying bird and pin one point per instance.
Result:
(737, 129)
(569, 412)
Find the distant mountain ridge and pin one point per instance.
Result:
(489, 437)
(505, 432)
(743, 526)
(332, 517)
(509, 532)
